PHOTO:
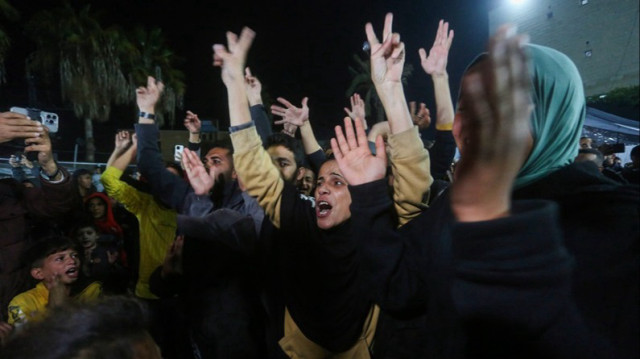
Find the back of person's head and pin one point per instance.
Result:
(558, 114)
(290, 143)
(35, 255)
(114, 327)
(81, 171)
(590, 154)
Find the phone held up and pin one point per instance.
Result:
(48, 119)
(177, 152)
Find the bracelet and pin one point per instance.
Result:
(147, 115)
(44, 174)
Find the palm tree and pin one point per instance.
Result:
(8, 12)
(98, 67)
(88, 63)
(361, 83)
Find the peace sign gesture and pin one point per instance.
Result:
(387, 57)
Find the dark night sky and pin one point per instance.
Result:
(302, 48)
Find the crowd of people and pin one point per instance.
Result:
(267, 245)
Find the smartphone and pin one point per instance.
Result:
(177, 152)
(48, 119)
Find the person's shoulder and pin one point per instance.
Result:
(91, 292)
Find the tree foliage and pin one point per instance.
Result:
(7, 12)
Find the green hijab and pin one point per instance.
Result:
(557, 116)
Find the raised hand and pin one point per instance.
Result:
(192, 123)
(201, 180)
(421, 118)
(356, 162)
(148, 96)
(15, 125)
(290, 114)
(57, 290)
(253, 87)
(357, 109)
(233, 57)
(289, 129)
(25, 162)
(436, 63)
(123, 141)
(387, 57)
(42, 145)
(492, 129)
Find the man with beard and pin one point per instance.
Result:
(216, 281)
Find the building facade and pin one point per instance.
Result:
(600, 36)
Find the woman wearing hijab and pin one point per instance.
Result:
(511, 276)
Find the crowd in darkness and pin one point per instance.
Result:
(267, 245)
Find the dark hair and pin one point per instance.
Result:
(593, 151)
(208, 146)
(41, 249)
(292, 144)
(81, 171)
(634, 151)
(108, 328)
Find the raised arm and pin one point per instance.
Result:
(298, 117)
(409, 159)
(357, 109)
(194, 126)
(258, 112)
(166, 186)
(252, 163)
(436, 66)
(123, 152)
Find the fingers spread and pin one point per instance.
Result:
(285, 102)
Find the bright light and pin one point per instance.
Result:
(516, 2)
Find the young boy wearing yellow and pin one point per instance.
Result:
(55, 262)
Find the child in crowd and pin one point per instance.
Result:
(101, 258)
(55, 263)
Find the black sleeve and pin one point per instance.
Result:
(261, 120)
(442, 153)
(512, 287)
(166, 186)
(316, 160)
(392, 267)
(193, 146)
(225, 226)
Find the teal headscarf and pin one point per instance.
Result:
(558, 113)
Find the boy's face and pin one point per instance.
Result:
(65, 264)
(87, 236)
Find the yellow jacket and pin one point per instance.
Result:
(157, 226)
(32, 304)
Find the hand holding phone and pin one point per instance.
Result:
(49, 119)
(177, 153)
